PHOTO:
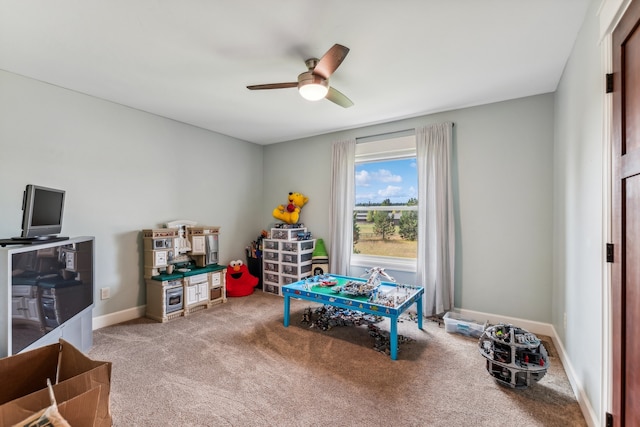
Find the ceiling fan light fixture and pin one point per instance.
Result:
(312, 87)
(313, 84)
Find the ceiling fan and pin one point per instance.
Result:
(313, 84)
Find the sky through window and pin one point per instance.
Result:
(396, 180)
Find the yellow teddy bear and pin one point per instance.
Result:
(291, 213)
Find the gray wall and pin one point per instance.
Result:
(123, 170)
(578, 276)
(503, 189)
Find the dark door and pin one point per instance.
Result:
(626, 219)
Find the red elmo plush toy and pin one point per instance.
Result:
(240, 282)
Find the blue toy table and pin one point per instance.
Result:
(400, 298)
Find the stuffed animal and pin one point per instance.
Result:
(239, 281)
(291, 213)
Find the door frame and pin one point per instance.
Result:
(610, 13)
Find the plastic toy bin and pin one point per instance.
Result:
(270, 244)
(271, 266)
(454, 322)
(286, 233)
(273, 278)
(296, 269)
(296, 258)
(271, 256)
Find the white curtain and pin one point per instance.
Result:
(436, 242)
(341, 205)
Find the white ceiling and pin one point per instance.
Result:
(191, 60)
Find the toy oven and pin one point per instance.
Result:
(174, 298)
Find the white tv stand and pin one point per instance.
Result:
(47, 293)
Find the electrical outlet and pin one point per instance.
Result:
(105, 293)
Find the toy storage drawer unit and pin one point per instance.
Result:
(272, 278)
(454, 322)
(287, 280)
(296, 270)
(272, 289)
(296, 258)
(286, 233)
(298, 246)
(291, 262)
(271, 245)
(271, 256)
(272, 266)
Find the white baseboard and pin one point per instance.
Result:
(587, 410)
(118, 317)
(549, 330)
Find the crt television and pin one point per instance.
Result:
(42, 210)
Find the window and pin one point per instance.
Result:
(385, 215)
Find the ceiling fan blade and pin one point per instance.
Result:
(337, 97)
(273, 86)
(331, 60)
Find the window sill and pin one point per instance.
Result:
(398, 264)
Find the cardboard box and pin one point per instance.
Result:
(81, 385)
(77, 411)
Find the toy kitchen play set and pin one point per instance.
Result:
(181, 270)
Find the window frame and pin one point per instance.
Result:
(397, 146)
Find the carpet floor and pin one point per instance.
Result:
(235, 364)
